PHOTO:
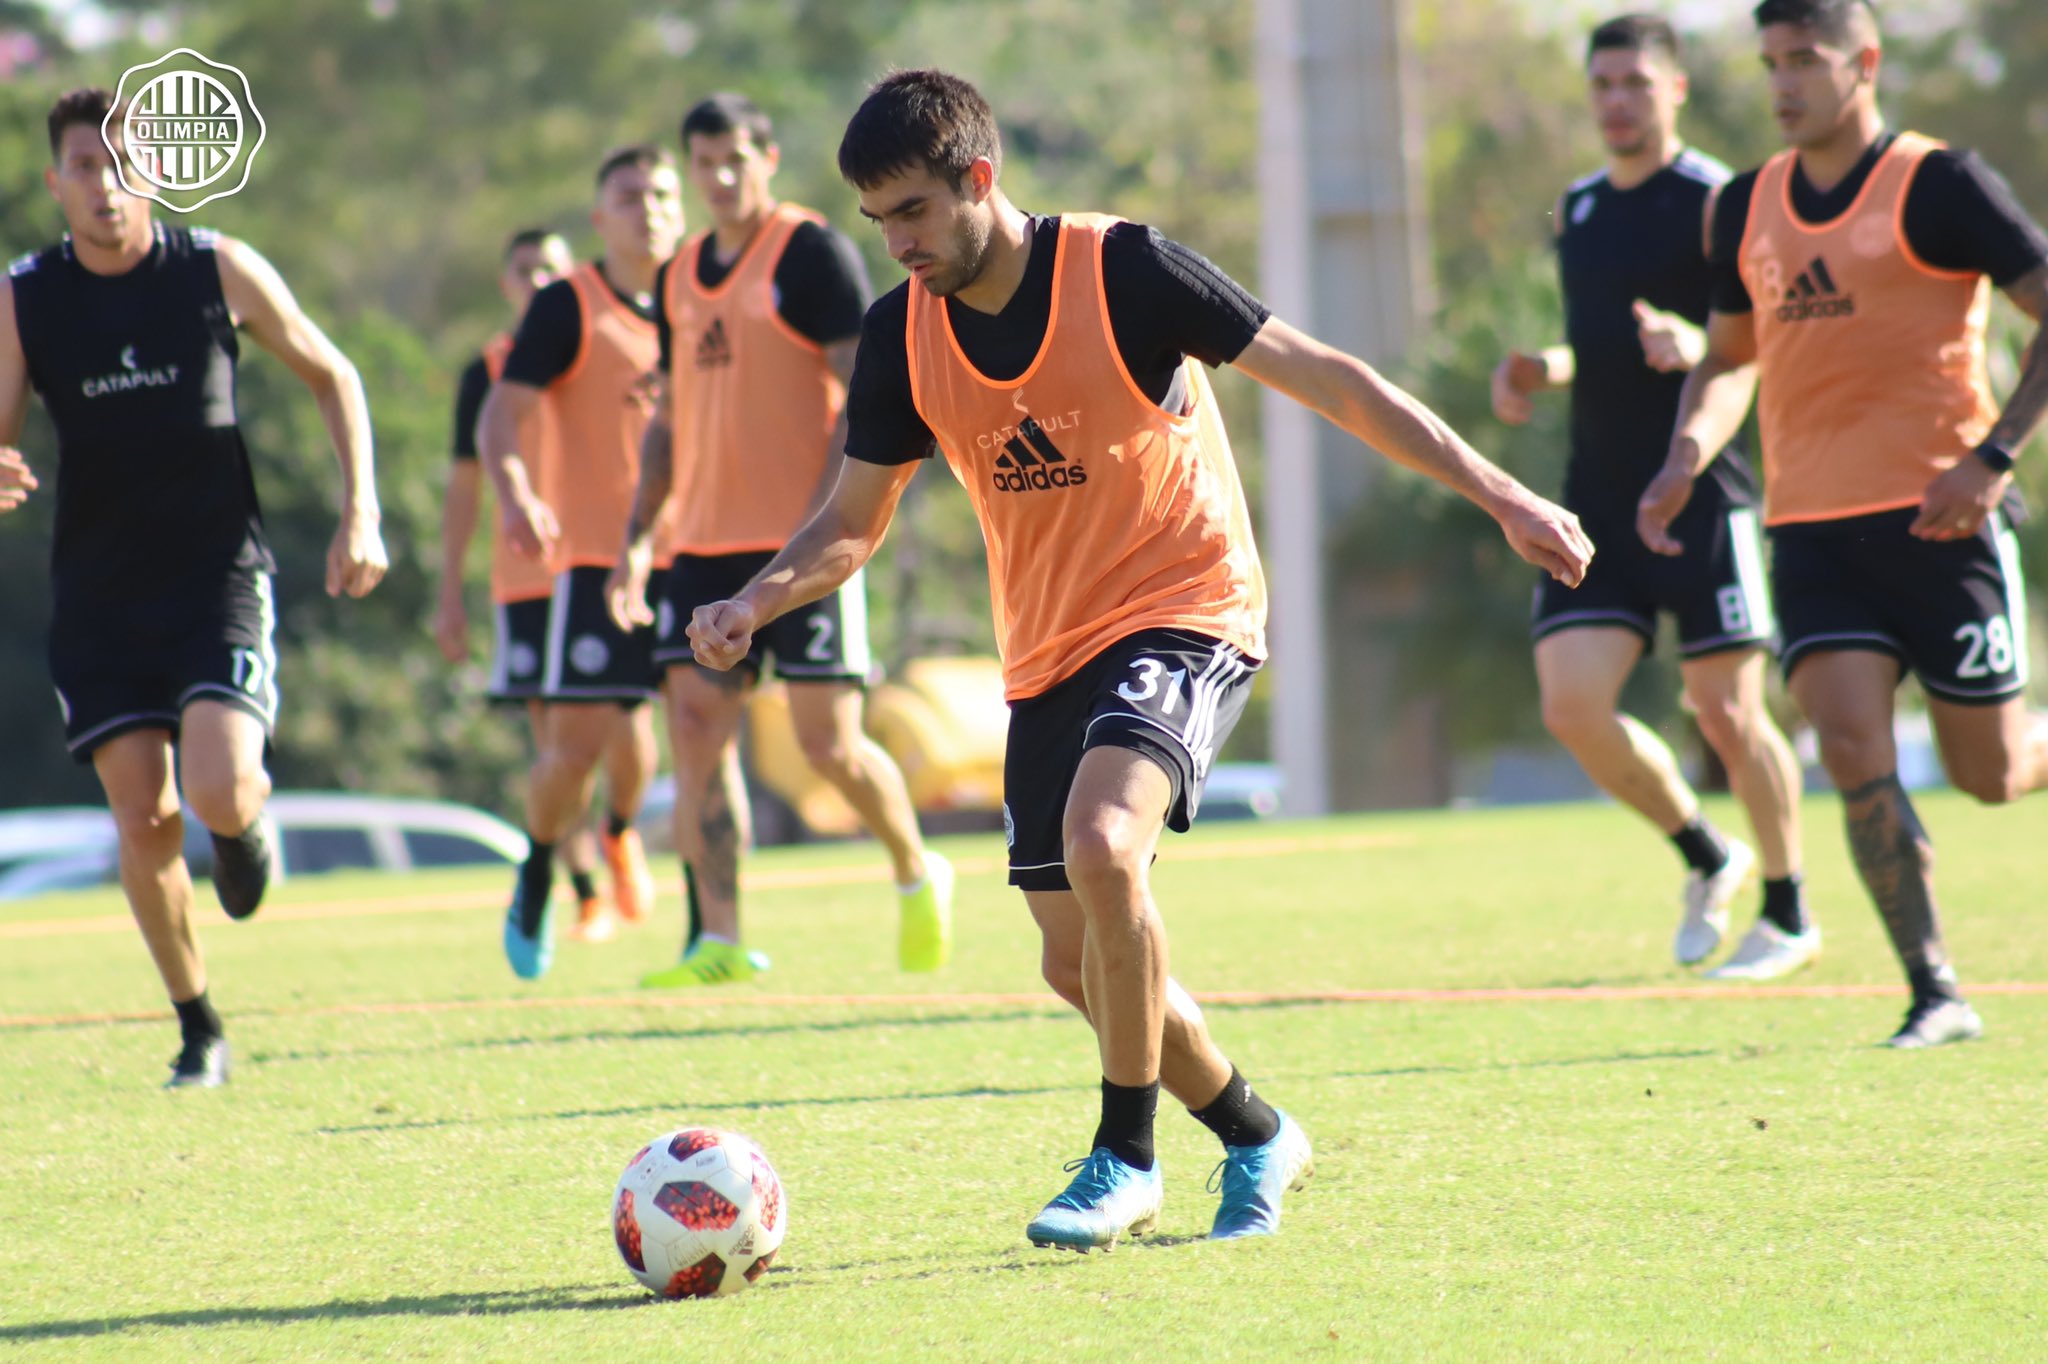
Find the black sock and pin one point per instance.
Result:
(1126, 1127)
(536, 879)
(616, 824)
(196, 1018)
(583, 885)
(1701, 845)
(1932, 982)
(695, 927)
(1238, 1116)
(1785, 904)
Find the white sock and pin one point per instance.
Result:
(718, 938)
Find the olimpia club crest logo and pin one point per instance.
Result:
(191, 129)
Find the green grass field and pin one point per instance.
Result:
(416, 1155)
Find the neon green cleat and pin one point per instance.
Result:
(708, 963)
(924, 933)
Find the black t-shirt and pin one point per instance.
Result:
(551, 334)
(1615, 246)
(156, 504)
(821, 286)
(1960, 215)
(1166, 302)
(470, 391)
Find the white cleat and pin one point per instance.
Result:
(1768, 952)
(1935, 1022)
(1706, 900)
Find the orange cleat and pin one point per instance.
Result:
(632, 883)
(595, 922)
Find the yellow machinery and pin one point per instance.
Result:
(943, 721)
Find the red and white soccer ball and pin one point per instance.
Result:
(699, 1213)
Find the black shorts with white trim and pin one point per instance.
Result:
(1716, 590)
(1954, 612)
(1170, 695)
(585, 657)
(138, 668)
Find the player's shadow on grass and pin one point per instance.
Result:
(1054, 1009)
(736, 1105)
(575, 1298)
(764, 1105)
(1619, 1058)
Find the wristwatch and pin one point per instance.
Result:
(1996, 457)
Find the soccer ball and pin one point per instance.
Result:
(699, 1213)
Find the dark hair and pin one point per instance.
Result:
(1836, 21)
(642, 154)
(913, 119)
(1635, 33)
(89, 105)
(528, 236)
(725, 112)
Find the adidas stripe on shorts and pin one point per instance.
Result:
(1171, 695)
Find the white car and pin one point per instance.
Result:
(68, 848)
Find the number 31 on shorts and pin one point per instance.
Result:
(1147, 673)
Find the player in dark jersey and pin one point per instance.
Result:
(161, 633)
(759, 319)
(1853, 277)
(1631, 245)
(1056, 362)
(581, 359)
(522, 590)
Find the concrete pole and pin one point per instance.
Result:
(1292, 536)
(1343, 254)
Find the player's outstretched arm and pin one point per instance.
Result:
(262, 304)
(1354, 396)
(829, 549)
(17, 480)
(1957, 502)
(625, 591)
(1715, 400)
(529, 522)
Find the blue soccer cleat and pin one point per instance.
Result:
(1254, 1178)
(530, 935)
(1107, 1199)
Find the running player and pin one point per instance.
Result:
(582, 353)
(1631, 246)
(1852, 275)
(161, 635)
(1052, 360)
(523, 587)
(768, 305)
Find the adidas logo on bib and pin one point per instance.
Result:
(1813, 294)
(1030, 462)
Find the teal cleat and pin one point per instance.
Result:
(530, 935)
(1107, 1199)
(1254, 1178)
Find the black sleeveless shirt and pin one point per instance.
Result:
(154, 492)
(1615, 246)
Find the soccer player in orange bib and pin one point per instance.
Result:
(1854, 281)
(759, 318)
(1054, 362)
(522, 588)
(583, 351)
